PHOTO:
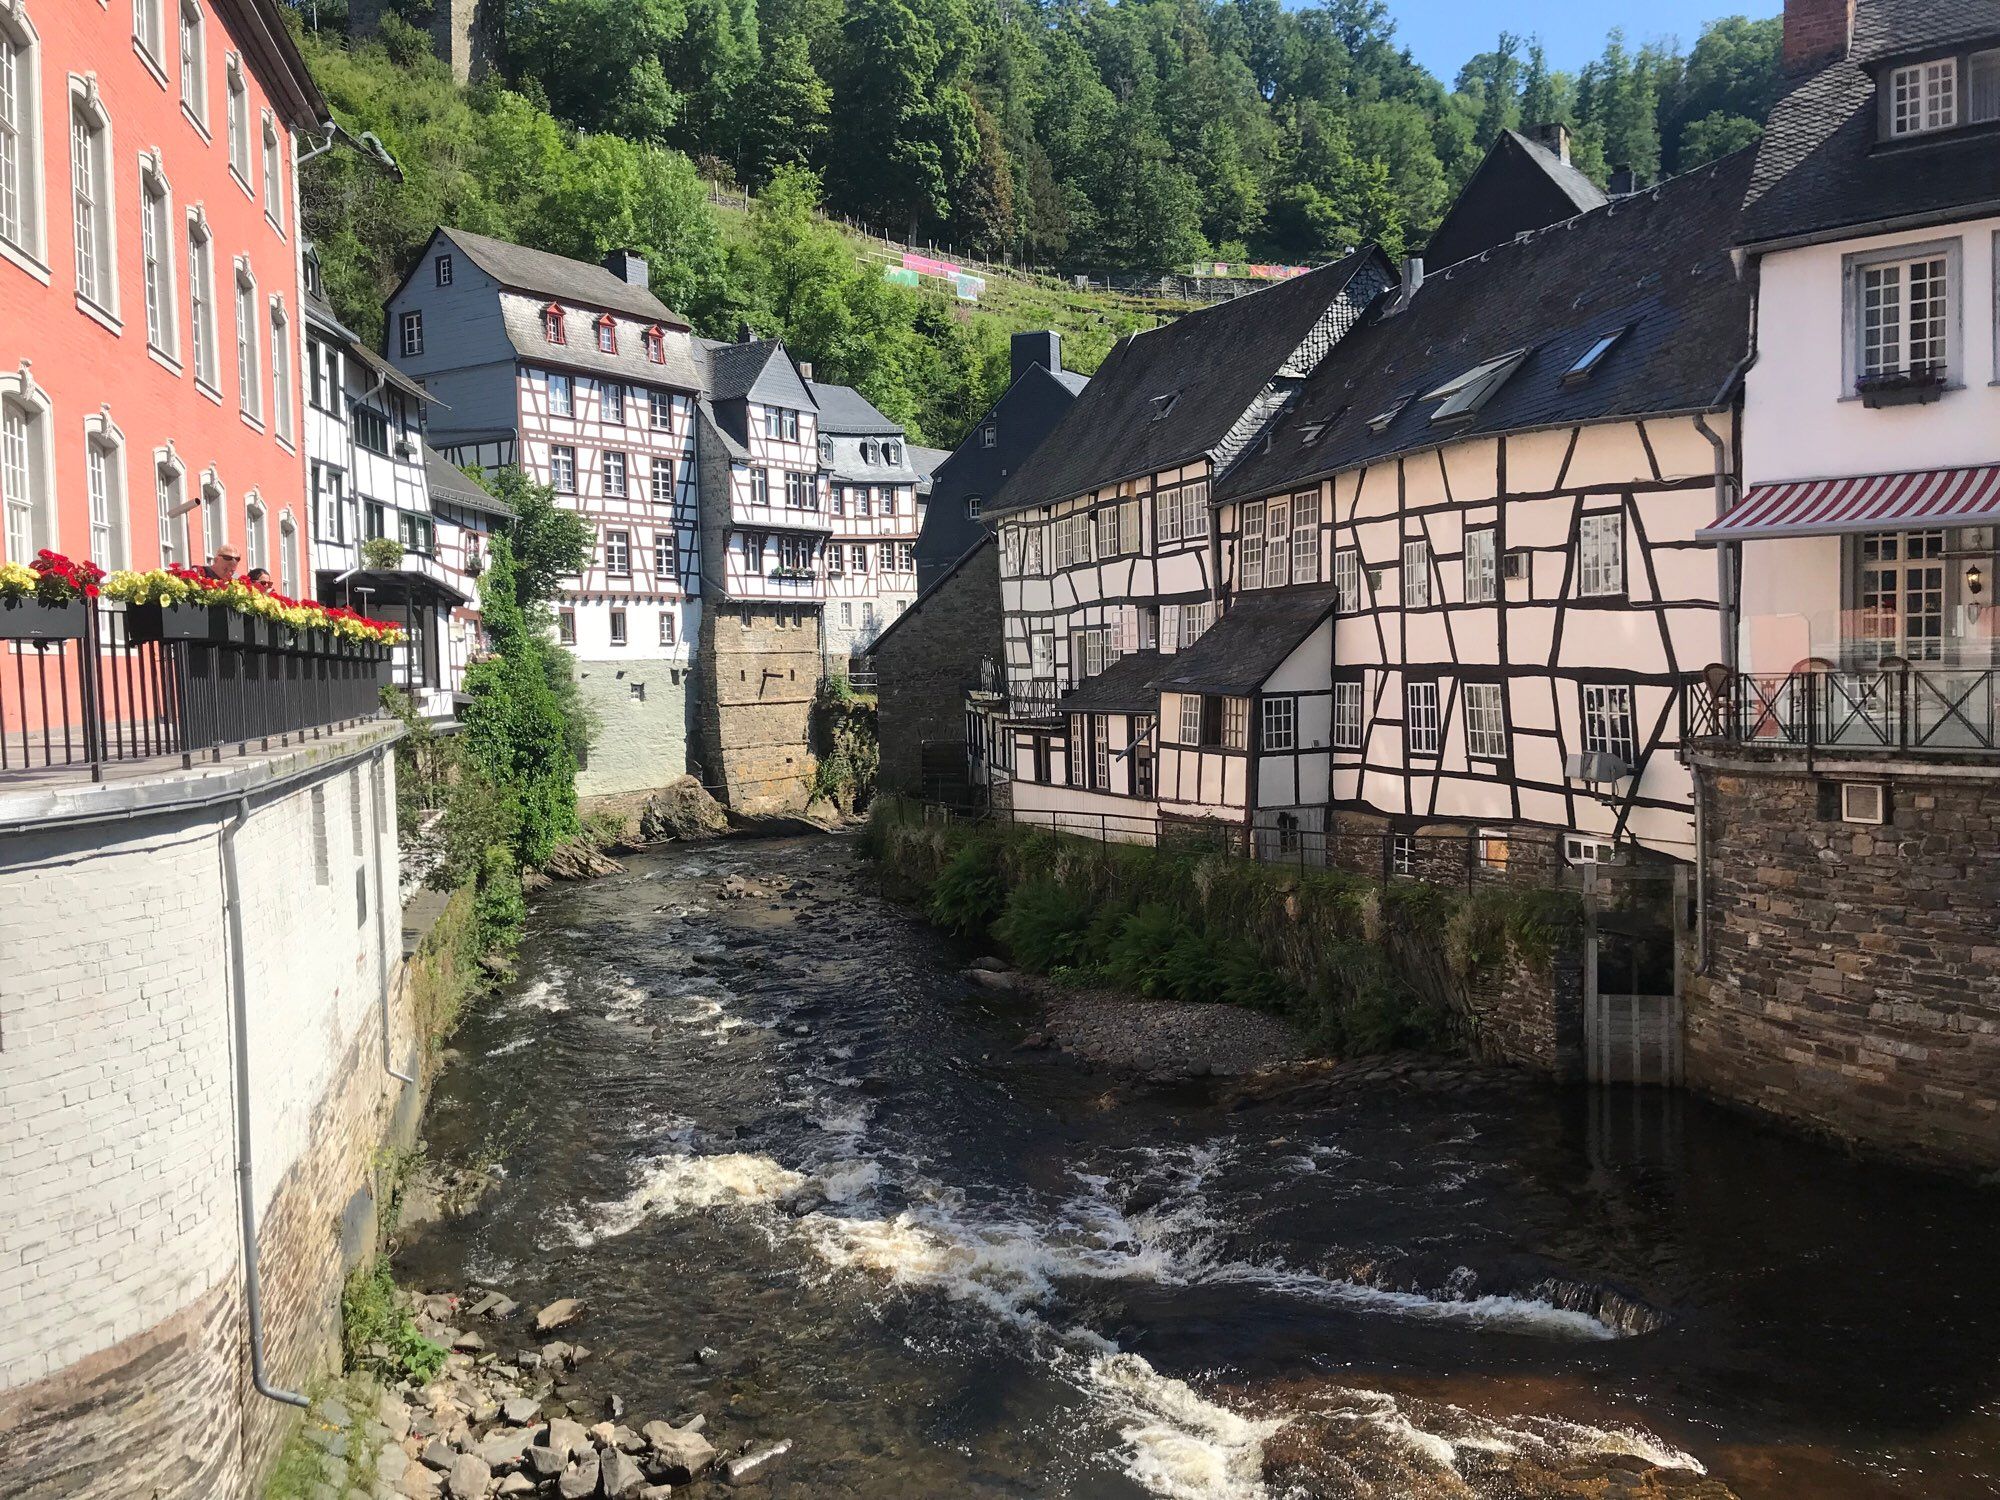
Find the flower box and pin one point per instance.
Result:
(32, 620)
(1915, 387)
(182, 622)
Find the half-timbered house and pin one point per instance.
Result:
(583, 378)
(467, 516)
(1463, 574)
(1106, 548)
(875, 510)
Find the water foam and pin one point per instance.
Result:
(1176, 1442)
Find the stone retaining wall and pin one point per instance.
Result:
(1854, 970)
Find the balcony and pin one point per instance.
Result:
(1891, 709)
(1026, 698)
(98, 691)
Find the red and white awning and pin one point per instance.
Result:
(1876, 502)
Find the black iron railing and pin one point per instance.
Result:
(115, 695)
(1906, 709)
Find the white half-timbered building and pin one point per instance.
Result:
(876, 511)
(1106, 544)
(583, 378)
(467, 516)
(1465, 579)
(364, 451)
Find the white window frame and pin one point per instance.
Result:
(203, 356)
(1416, 573)
(1277, 542)
(1610, 721)
(1190, 719)
(274, 176)
(1347, 715)
(660, 409)
(193, 34)
(27, 470)
(1922, 98)
(1860, 268)
(1421, 733)
(1305, 537)
(237, 119)
(1280, 724)
(1347, 580)
(169, 501)
(1250, 547)
(288, 555)
(214, 512)
(562, 468)
(611, 402)
(1588, 849)
(104, 484)
(148, 24)
(93, 199)
(1042, 654)
(255, 521)
(1485, 720)
(618, 624)
(156, 258)
(410, 333)
(1600, 554)
(618, 552)
(666, 560)
(249, 346)
(1104, 526)
(565, 405)
(23, 212)
(1982, 93)
(1482, 564)
(281, 370)
(617, 473)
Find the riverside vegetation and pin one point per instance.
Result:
(1186, 923)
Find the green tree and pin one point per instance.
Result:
(600, 61)
(903, 129)
(1715, 136)
(784, 111)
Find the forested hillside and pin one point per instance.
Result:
(1145, 135)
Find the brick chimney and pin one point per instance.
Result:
(1553, 137)
(1817, 32)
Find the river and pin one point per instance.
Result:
(806, 1184)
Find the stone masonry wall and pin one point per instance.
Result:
(753, 717)
(124, 1356)
(1854, 970)
(922, 667)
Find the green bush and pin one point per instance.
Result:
(969, 893)
(1042, 926)
(499, 910)
(1140, 956)
(377, 1333)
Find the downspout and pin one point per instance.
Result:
(253, 1294)
(382, 893)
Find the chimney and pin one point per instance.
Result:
(629, 266)
(1043, 347)
(744, 335)
(1624, 182)
(1817, 32)
(1553, 137)
(1412, 283)
(805, 369)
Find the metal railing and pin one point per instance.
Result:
(112, 696)
(1906, 709)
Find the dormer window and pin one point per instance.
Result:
(892, 453)
(552, 325)
(607, 334)
(655, 340)
(1941, 93)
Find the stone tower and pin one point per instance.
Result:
(467, 34)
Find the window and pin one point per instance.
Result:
(618, 553)
(1251, 568)
(836, 560)
(1464, 395)
(249, 349)
(329, 502)
(20, 156)
(371, 430)
(1235, 723)
(1923, 97)
(155, 253)
(374, 519)
(442, 268)
(1181, 515)
(201, 304)
(1403, 855)
(1416, 575)
(1281, 723)
(1899, 596)
(1607, 722)
(857, 558)
(1347, 716)
(253, 533)
(660, 409)
(760, 485)
(323, 375)
(669, 628)
(971, 507)
(612, 398)
(1579, 849)
(104, 478)
(167, 480)
(799, 491)
(1903, 317)
(288, 556)
(1305, 537)
(90, 177)
(791, 427)
(1600, 554)
(655, 342)
(146, 26)
(562, 395)
(281, 370)
(1588, 361)
(1089, 652)
(607, 335)
(1485, 721)
(238, 123)
(1421, 721)
(566, 626)
(412, 326)
(614, 475)
(1482, 564)
(617, 627)
(25, 491)
(553, 331)
(1490, 847)
(1982, 91)
(562, 469)
(1073, 540)
(1190, 719)
(194, 63)
(214, 526)
(1347, 581)
(906, 557)
(274, 209)
(666, 562)
(989, 435)
(663, 481)
(1107, 531)
(1277, 543)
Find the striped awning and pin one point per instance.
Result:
(1875, 502)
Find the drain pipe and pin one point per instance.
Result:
(382, 894)
(253, 1294)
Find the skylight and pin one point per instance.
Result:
(1381, 420)
(1164, 404)
(1465, 394)
(1587, 363)
(1312, 432)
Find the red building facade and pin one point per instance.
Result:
(150, 282)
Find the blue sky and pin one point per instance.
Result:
(1444, 33)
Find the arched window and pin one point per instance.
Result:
(104, 479)
(20, 134)
(170, 504)
(156, 254)
(92, 189)
(27, 482)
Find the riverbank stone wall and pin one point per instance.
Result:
(124, 1346)
(759, 672)
(1853, 983)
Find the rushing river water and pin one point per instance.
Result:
(789, 1131)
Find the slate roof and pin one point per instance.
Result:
(1215, 361)
(845, 412)
(1129, 685)
(1656, 265)
(1249, 643)
(735, 371)
(526, 269)
(926, 461)
(523, 324)
(1520, 185)
(322, 313)
(1820, 166)
(446, 481)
